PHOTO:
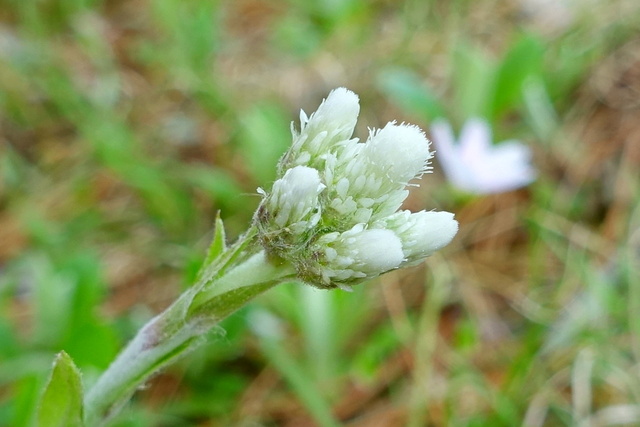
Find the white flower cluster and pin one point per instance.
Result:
(334, 213)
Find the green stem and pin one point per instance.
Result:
(178, 330)
(425, 346)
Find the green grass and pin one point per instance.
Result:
(126, 126)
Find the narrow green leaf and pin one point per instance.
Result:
(302, 384)
(473, 74)
(522, 61)
(218, 244)
(61, 404)
(408, 91)
(317, 320)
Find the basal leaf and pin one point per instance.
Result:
(61, 404)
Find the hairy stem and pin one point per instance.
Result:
(180, 329)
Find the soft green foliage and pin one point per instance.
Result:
(61, 404)
(299, 380)
(264, 123)
(524, 60)
(126, 126)
(406, 89)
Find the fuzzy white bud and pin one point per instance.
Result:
(325, 130)
(401, 152)
(422, 233)
(359, 253)
(293, 202)
(368, 180)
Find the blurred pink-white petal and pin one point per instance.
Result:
(474, 165)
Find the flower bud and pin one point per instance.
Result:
(368, 180)
(332, 124)
(422, 233)
(291, 210)
(400, 152)
(357, 254)
(294, 201)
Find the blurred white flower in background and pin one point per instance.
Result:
(474, 165)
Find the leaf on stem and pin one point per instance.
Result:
(61, 404)
(218, 244)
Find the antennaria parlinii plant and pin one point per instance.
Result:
(331, 220)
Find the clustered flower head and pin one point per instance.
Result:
(334, 211)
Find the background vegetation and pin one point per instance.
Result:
(126, 125)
